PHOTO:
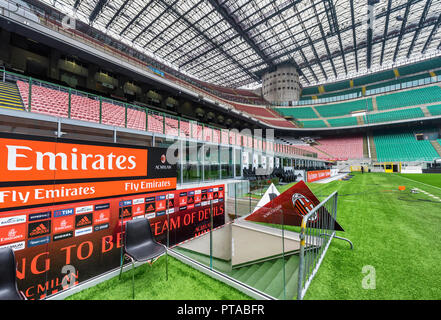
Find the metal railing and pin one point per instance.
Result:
(316, 234)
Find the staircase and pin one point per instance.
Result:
(372, 148)
(10, 96)
(365, 148)
(268, 276)
(436, 146)
(264, 276)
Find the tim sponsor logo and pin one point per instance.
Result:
(63, 212)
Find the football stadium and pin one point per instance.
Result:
(220, 150)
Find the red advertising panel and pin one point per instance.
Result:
(60, 201)
(290, 207)
(85, 237)
(24, 160)
(318, 175)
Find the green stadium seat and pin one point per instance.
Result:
(435, 110)
(409, 98)
(403, 147)
(298, 112)
(394, 115)
(343, 122)
(314, 124)
(344, 108)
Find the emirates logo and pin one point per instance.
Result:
(12, 233)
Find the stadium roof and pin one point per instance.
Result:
(233, 42)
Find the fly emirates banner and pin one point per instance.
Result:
(41, 171)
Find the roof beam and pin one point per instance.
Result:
(209, 40)
(369, 24)
(312, 46)
(97, 10)
(337, 29)
(136, 18)
(386, 26)
(171, 24)
(420, 25)
(117, 13)
(77, 4)
(389, 37)
(229, 18)
(325, 41)
(354, 37)
(432, 33)
(403, 26)
(270, 16)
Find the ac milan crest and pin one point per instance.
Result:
(304, 206)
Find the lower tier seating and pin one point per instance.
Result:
(403, 146)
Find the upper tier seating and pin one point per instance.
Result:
(394, 115)
(343, 122)
(344, 108)
(412, 97)
(435, 110)
(402, 147)
(298, 112)
(314, 124)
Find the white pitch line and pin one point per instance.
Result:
(430, 195)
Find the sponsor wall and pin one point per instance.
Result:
(318, 175)
(63, 218)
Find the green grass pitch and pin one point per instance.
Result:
(395, 232)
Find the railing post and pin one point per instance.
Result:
(301, 260)
(163, 123)
(69, 105)
(101, 109)
(30, 94)
(125, 117)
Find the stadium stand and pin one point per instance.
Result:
(341, 109)
(343, 122)
(409, 98)
(337, 148)
(402, 146)
(394, 115)
(435, 110)
(298, 112)
(314, 124)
